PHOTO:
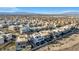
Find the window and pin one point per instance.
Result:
(18, 43)
(23, 46)
(14, 36)
(38, 36)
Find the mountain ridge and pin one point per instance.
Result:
(27, 13)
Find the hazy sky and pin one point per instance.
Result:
(47, 10)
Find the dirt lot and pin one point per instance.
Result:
(10, 47)
(73, 48)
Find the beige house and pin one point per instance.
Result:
(21, 42)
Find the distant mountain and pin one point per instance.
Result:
(27, 13)
(16, 13)
(71, 13)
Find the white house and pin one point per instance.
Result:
(8, 36)
(37, 38)
(24, 29)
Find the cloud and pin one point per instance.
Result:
(8, 9)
